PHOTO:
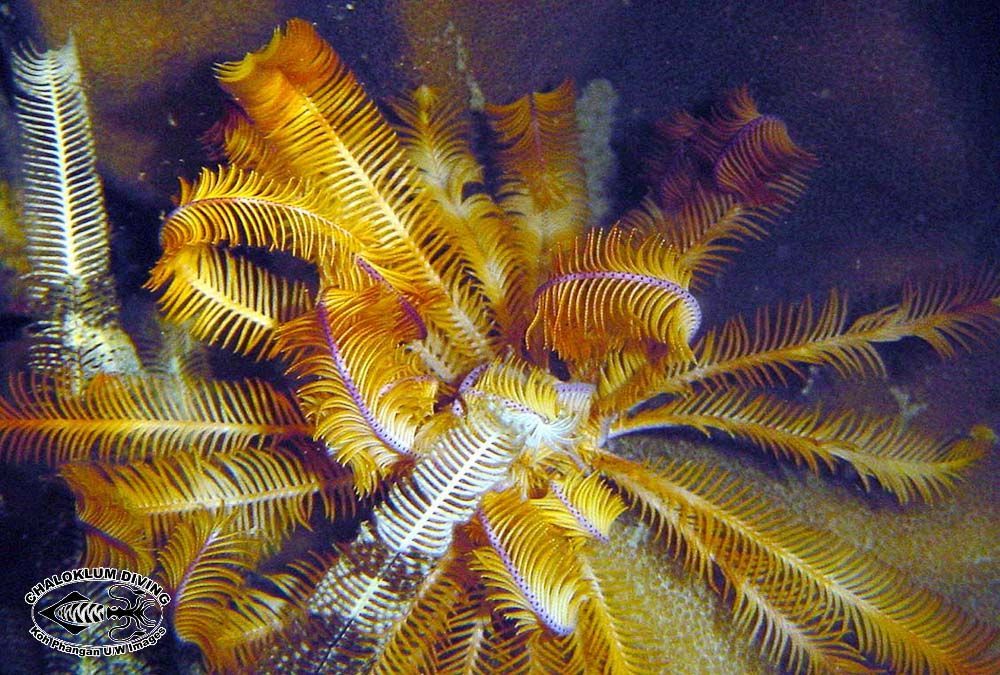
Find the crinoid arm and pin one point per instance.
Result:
(189, 479)
(737, 150)
(210, 289)
(614, 290)
(544, 192)
(367, 414)
(703, 231)
(308, 105)
(204, 564)
(434, 133)
(624, 295)
(816, 604)
(716, 181)
(268, 492)
(117, 419)
(783, 341)
(904, 461)
(774, 349)
(76, 333)
(516, 590)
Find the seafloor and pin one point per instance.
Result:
(898, 99)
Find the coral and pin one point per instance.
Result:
(460, 357)
(694, 633)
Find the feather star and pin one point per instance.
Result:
(459, 354)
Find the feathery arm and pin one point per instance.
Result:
(77, 334)
(783, 574)
(948, 315)
(906, 462)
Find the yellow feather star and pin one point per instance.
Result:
(457, 364)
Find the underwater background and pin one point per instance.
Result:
(899, 100)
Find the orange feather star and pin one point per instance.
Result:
(457, 363)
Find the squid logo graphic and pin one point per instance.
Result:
(105, 610)
(76, 612)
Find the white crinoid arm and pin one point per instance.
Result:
(66, 226)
